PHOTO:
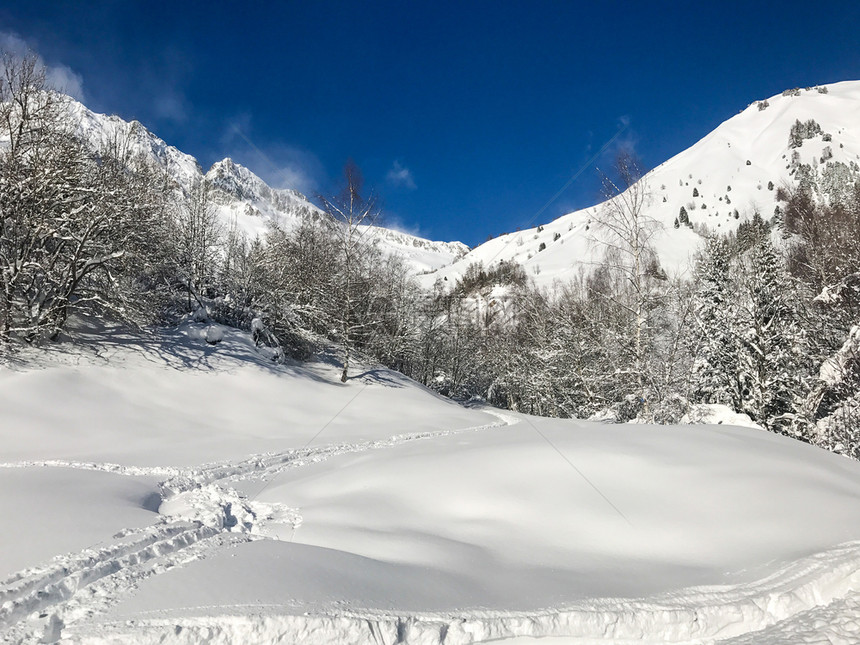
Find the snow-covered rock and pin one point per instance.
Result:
(717, 414)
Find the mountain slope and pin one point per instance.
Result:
(720, 181)
(241, 198)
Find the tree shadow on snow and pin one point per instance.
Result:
(380, 376)
(183, 347)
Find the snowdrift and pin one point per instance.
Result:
(162, 489)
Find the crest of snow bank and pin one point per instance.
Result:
(701, 614)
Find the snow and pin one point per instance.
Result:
(710, 166)
(784, 608)
(242, 201)
(191, 492)
(508, 511)
(96, 504)
(214, 334)
(420, 255)
(171, 399)
(717, 414)
(180, 486)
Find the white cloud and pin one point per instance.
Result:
(400, 175)
(395, 222)
(172, 107)
(60, 77)
(279, 165)
(624, 141)
(296, 177)
(165, 80)
(66, 80)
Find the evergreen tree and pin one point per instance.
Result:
(773, 357)
(714, 376)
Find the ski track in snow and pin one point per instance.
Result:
(812, 600)
(199, 513)
(809, 601)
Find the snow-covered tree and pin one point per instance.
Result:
(80, 226)
(198, 241)
(715, 334)
(773, 354)
(823, 224)
(626, 233)
(352, 215)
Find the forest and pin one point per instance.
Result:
(767, 325)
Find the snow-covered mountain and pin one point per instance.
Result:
(241, 198)
(102, 130)
(423, 255)
(720, 181)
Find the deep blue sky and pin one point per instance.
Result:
(465, 116)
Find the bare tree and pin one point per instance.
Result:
(351, 215)
(198, 237)
(74, 220)
(626, 232)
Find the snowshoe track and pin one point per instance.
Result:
(36, 604)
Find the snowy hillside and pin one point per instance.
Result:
(242, 198)
(245, 201)
(421, 254)
(720, 181)
(176, 491)
(193, 482)
(101, 129)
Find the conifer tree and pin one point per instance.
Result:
(714, 377)
(773, 357)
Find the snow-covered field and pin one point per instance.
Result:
(160, 489)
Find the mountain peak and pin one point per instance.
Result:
(241, 198)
